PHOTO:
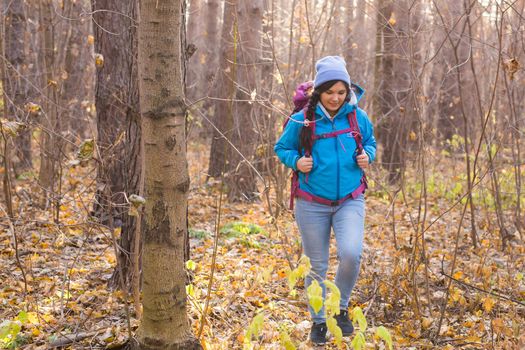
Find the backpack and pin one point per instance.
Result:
(300, 100)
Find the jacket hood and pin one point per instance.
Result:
(356, 93)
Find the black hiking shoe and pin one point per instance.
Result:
(318, 333)
(344, 323)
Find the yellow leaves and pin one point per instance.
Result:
(315, 295)
(511, 66)
(300, 272)
(412, 136)
(499, 327)
(303, 40)
(35, 332)
(63, 294)
(11, 128)
(99, 60)
(359, 341)
(253, 330)
(266, 274)
(457, 296)
(85, 150)
(384, 334)
(90, 39)
(359, 317)
(333, 300)
(392, 20)
(426, 322)
(28, 318)
(519, 277)
(331, 323)
(191, 265)
(136, 202)
(286, 341)
(488, 304)
(458, 275)
(190, 290)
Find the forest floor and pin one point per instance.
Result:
(63, 292)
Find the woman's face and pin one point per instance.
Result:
(333, 98)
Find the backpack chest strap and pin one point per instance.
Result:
(328, 135)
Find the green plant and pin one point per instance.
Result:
(198, 234)
(239, 228)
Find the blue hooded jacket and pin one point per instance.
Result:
(335, 172)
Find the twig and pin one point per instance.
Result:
(120, 272)
(214, 257)
(67, 340)
(17, 255)
(374, 293)
(497, 295)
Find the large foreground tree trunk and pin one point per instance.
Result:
(164, 323)
(118, 125)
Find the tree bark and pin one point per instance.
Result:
(118, 124)
(194, 88)
(15, 87)
(241, 179)
(50, 141)
(77, 79)
(392, 86)
(210, 58)
(164, 324)
(224, 90)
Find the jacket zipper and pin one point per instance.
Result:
(337, 156)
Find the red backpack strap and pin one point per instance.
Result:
(309, 124)
(356, 133)
(354, 125)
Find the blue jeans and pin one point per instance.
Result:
(315, 222)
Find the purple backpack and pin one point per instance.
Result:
(300, 97)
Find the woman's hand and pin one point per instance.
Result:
(304, 164)
(362, 160)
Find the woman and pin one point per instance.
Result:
(330, 156)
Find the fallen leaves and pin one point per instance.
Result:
(70, 264)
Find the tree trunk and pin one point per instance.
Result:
(50, 141)
(241, 179)
(76, 82)
(450, 118)
(392, 85)
(15, 87)
(210, 58)
(164, 324)
(194, 88)
(118, 124)
(224, 90)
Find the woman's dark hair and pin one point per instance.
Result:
(306, 132)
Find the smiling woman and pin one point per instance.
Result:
(333, 98)
(329, 147)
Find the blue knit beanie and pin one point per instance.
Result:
(331, 68)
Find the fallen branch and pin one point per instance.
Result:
(72, 338)
(497, 295)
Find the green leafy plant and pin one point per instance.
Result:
(253, 331)
(239, 228)
(198, 234)
(11, 336)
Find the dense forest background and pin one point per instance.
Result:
(91, 89)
